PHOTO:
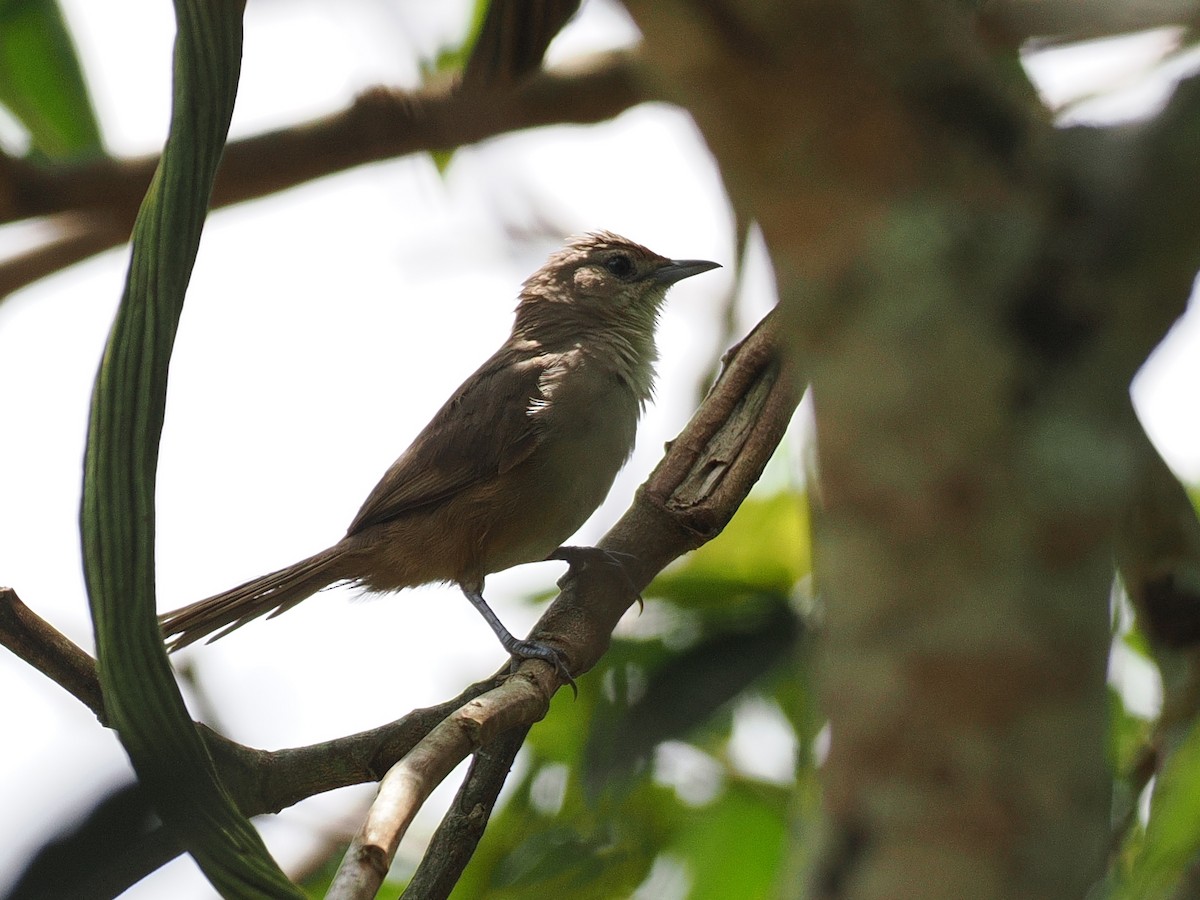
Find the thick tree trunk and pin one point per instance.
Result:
(955, 290)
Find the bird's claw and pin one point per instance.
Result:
(522, 650)
(579, 558)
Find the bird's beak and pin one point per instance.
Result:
(678, 269)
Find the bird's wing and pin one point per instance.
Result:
(482, 431)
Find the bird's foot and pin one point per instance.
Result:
(521, 650)
(515, 648)
(580, 558)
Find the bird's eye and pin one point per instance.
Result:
(619, 265)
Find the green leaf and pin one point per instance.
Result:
(117, 518)
(764, 549)
(1128, 733)
(41, 81)
(1172, 837)
(562, 734)
(734, 847)
(451, 60)
(584, 853)
(687, 691)
(448, 63)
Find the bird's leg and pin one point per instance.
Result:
(579, 558)
(519, 649)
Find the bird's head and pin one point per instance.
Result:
(606, 279)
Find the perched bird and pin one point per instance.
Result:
(514, 462)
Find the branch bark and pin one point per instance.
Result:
(52, 653)
(516, 703)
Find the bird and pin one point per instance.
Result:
(513, 463)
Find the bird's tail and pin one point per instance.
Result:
(273, 593)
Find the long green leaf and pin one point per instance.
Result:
(117, 519)
(41, 81)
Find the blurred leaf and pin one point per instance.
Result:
(1129, 737)
(1127, 733)
(1135, 640)
(686, 691)
(41, 81)
(735, 847)
(561, 735)
(1172, 837)
(580, 853)
(441, 159)
(581, 849)
(452, 60)
(796, 697)
(449, 63)
(117, 518)
(565, 861)
(764, 549)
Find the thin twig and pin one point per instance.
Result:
(455, 839)
(49, 651)
(405, 788)
(74, 236)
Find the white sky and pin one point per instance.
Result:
(322, 328)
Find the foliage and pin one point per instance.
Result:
(41, 82)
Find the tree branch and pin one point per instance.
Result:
(697, 487)
(50, 652)
(691, 495)
(78, 236)
(454, 842)
(515, 703)
(263, 781)
(380, 124)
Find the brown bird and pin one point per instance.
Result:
(514, 462)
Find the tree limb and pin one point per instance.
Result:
(691, 495)
(49, 651)
(380, 124)
(958, 302)
(515, 703)
(454, 842)
(696, 488)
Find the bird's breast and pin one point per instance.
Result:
(585, 438)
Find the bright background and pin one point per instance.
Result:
(323, 327)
